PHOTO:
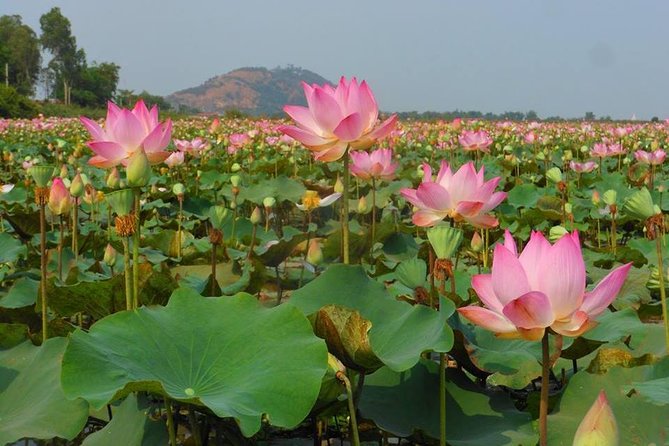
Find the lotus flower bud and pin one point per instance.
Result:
(362, 205)
(640, 205)
(339, 186)
(445, 240)
(41, 174)
(654, 145)
(599, 427)
(121, 201)
(63, 171)
(568, 155)
(568, 208)
(610, 197)
(234, 180)
(556, 233)
(77, 186)
(477, 242)
(113, 179)
(233, 205)
(217, 215)
(179, 189)
(314, 253)
(554, 174)
(139, 169)
(269, 202)
(60, 201)
(110, 256)
(256, 216)
(235, 167)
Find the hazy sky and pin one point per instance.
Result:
(563, 57)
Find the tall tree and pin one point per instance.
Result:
(97, 85)
(19, 54)
(67, 61)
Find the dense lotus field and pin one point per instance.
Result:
(193, 282)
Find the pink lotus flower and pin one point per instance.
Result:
(530, 138)
(463, 195)
(175, 159)
(599, 150)
(616, 149)
(336, 119)
(60, 200)
(654, 158)
(127, 131)
(471, 141)
(586, 167)
(543, 287)
(378, 165)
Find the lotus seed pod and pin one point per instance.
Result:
(445, 240)
(609, 197)
(121, 201)
(269, 202)
(234, 180)
(554, 174)
(113, 179)
(77, 186)
(235, 167)
(41, 174)
(179, 189)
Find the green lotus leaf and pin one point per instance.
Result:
(10, 248)
(22, 294)
(229, 354)
(407, 402)
(639, 422)
(32, 403)
(399, 332)
(130, 426)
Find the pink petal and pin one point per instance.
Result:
(350, 128)
(102, 163)
(434, 196)
(534, 251)
(508, 276)
(468, 208)
(463, 184)
(411, 197)
(93, 128)
(578, 324)
(482, 284)
(384, 129)
(325, 110)
(531, 310)
(108, 150)
(127, 131)
(493, 201)
(302, 116)
(561, 276)
(487, 319)
(332, 153)
(366, 103)
(596, 301)
(510, 243)
(159, 138)
(426, 217)
(305, 137)
(444, 176)
(427, 173)
(483, 221)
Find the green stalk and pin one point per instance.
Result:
(442, 399)
(181, 213)
(127, 273)
(171, 431)
(60, 249)
(543, 403)
(75, 230)
(355, 438)
(344, 227)
(663, 292)
(42, 244)
(135, 252)
(373, 211)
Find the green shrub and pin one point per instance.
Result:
(15, 105)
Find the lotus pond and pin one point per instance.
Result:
(496, 284)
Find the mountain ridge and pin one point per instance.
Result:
(256, 91)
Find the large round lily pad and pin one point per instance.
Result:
(230, 354)
(32, 403)
(399, 332)
(407, 402)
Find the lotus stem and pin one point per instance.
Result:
(442, 399)
(344, 227)
(60, 249)
(543, 403)
(42, 244)
(194, 427)
(179, 219)
(306, 251)
(75, 230)
(355, 438)
(663, 292)
(253, 242)
(171, 430)
(213, 269)
(373, 212)
(127, 273)
(135, 251)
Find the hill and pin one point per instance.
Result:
(252, 90)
